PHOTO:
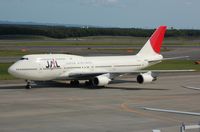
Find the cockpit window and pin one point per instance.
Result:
(23, 58)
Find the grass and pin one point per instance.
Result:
(24, 37)
(166, 65)
(4, 75)
(77, 44)
(87, 44)
(114, 43)
(176, 65)
(100, 41)
(7, 53)
(181, 44)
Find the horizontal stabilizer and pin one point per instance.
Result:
(174, 58)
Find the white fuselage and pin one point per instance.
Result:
(44, 67)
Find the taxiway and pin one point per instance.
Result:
(116, 108)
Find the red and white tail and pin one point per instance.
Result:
(153, 45)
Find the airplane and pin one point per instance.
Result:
(96, 70)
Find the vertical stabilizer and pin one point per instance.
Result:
(153, 45)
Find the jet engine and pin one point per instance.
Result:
(101, 81)
(146, 77)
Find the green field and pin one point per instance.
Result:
(166, 65)
(114, 43)
(4, 71)
(8, 53)
(101, 41)
(176, 65)
(76, 43)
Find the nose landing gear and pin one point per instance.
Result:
(28, 85)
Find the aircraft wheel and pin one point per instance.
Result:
(74, 83)
(28, 86)
(90, 84)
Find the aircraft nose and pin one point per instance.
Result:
(12, 70)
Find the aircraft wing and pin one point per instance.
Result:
(84, 75)
(164, 71)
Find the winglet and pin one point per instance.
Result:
(157, 38)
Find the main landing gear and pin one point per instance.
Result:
(90, 84)
(74, 83)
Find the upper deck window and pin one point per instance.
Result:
(23, 58)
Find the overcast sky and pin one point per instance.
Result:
(115, 13)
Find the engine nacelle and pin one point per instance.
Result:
(146, 78)
(101, 81)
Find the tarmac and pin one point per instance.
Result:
(57, 107)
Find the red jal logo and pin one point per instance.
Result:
(52, 64)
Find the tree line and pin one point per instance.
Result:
(67, 32)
